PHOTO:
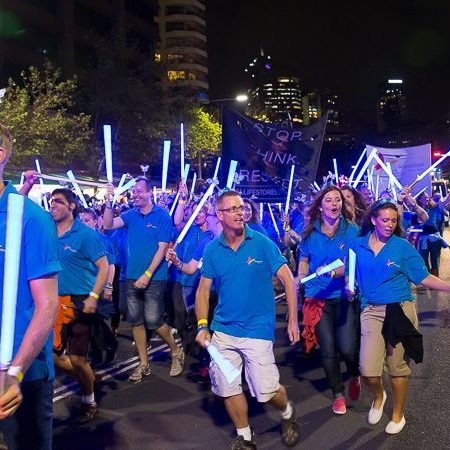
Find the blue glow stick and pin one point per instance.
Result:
(194, 179)
(224, 364)
(351, 270)
(165, 168)
(108, 152)
(288, 198)
(77, 188)
(186, 171)
(182, 149)
(231, 172)
(216, 170)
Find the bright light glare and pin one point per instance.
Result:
(395, 81)
(241, 98)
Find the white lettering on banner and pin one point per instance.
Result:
(275, 157)
(254, 176)
(282, 135)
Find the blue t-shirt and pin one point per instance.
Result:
(79, 248)
(109, 248)
(385, 278)
(38, 259)
(322, 250)
(246, 304)
(144, 234)
(259, 228)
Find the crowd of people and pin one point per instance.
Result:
(84, 270)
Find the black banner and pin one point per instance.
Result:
(265, 153)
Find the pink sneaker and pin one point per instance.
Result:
(339, 406)
(354, 388)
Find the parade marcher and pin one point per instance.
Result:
(26, 407)
(385, 266)
(354, 204)
(325, 239)
(251, 217)
(149, 233)
(242, 263)
(81, 282)
(367, 195)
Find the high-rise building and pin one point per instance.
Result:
(182, 47)
(391, 106)
(315, 104)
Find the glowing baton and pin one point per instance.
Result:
(394, 192)
(22, 179)
(108, 152)
(351, 270)
(174, 204)
(216, 170)
(364, 167)
(316, 185)
(391, 176)
(194, 179)
(154, 194)
(377, 187)
(261, 207)
(420, 192)
(13, 244)
(122, 180)
(165, 167)
(41, 181)
(224, 364)
(336, 174)
(186, 171)
(325, 269)
(77, 188)
(288, 198)
(182, 149)
(273, 219)
(68, 180)
(125, 187)
(433, 166)
(231, 172)
(356, 166)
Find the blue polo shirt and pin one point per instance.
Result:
(259, 228)
(246, 304)
(79, 248)
(38, 258)
(144, 234)
(385, 278)
(109, 248)
(322, 250)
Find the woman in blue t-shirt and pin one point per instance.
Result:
(385, 265)
(325, 238)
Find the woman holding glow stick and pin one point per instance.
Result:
(324, 239)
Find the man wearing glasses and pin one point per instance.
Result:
(242, 262)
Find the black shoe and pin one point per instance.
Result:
(239, 443)
(290, 434)
(87, 413)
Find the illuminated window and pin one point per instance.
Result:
(158, 57)
(176, 75)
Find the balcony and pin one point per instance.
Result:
(187, 51)
(186, 35)
(184, 18)
(195, 3)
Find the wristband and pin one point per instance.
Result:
(16, 372)
(332, 273)
(203, 327)
(148, 274)
(202, 322)
(181, 202)
(94, 295)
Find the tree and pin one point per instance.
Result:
(38, 109)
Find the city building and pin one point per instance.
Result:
(315, 104)
(391, 106)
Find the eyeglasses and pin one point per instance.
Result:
(233, 209)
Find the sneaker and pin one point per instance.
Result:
(239, 443)
(290, 433)
(87, 412)
(394, 427)
(177, 364)
(354, 388)
(140, 372)
(339, 406)
(375, 414)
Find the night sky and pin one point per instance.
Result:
(346, 46)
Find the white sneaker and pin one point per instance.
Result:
(394, 428)
(375, 414)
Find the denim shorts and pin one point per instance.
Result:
(146, 305)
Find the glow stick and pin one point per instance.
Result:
(273, 219)
(351, 270)
(377, 187)
(194, 179)
(22, 179)
(336, 171)
(415, 230)
(77, 188)
(122, 180)
(441, 192)
(369, 179)
(231, 172)
(165, 168)
(154, 194)
(125, 187)
(316, 185)
(420, 192)
(182, 149)
(391, 176)
(68, 180)
(216, 171)
(394, 192)
(186, 171)
(174, 204)
(41, 181)
(334, 265)
(356, 166)
(364, 167)
(224, 364)
(13, 245)
(197, 209)
(288, 198)
(433, 166)
(279, 207)
(108, 152)
(261, 212)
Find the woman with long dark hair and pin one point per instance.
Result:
(324, 239)
(251, 217)
(354, 204)
(385, 265)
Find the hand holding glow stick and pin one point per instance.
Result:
(224, 364)
(108, 152)
(288, 198)
(325, 269)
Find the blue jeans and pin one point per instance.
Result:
(30, 427)
(337, 333)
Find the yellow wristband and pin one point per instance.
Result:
(148, 274)
(202, 322)
(182, 202)
(16, 371)
(94, 295)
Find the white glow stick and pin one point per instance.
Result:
(174, 204)
(22, 179)
(216, 170)
(194, 179)
(261, 211)
(441, 192)
(68, 180)
(77, 188)
(231, 172)
(386, 169)
(154, 194)
(125, 187)
(186, 171)
(224, 364)
(122, 180)
(279, 206)
(356, 166)
(316, 185)
(41, 181)
(328, 268)
(336, 174)
(197, 209)
(108, 152)
(12, 249)
(433, 166)
(377, 187)
(420, 192)
(165, 167)
(288, 198)
(364, 167)
(394, 191)
(273, 219)
(351, 270)
(182, 150)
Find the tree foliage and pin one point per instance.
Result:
(38, 109)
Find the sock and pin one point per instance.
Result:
(88, 399)
(246, 433)
(287, 413)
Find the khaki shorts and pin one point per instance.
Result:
(373, 353)
(261, 373)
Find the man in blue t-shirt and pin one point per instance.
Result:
(242, 262)
(26, 406)
(149, 233)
